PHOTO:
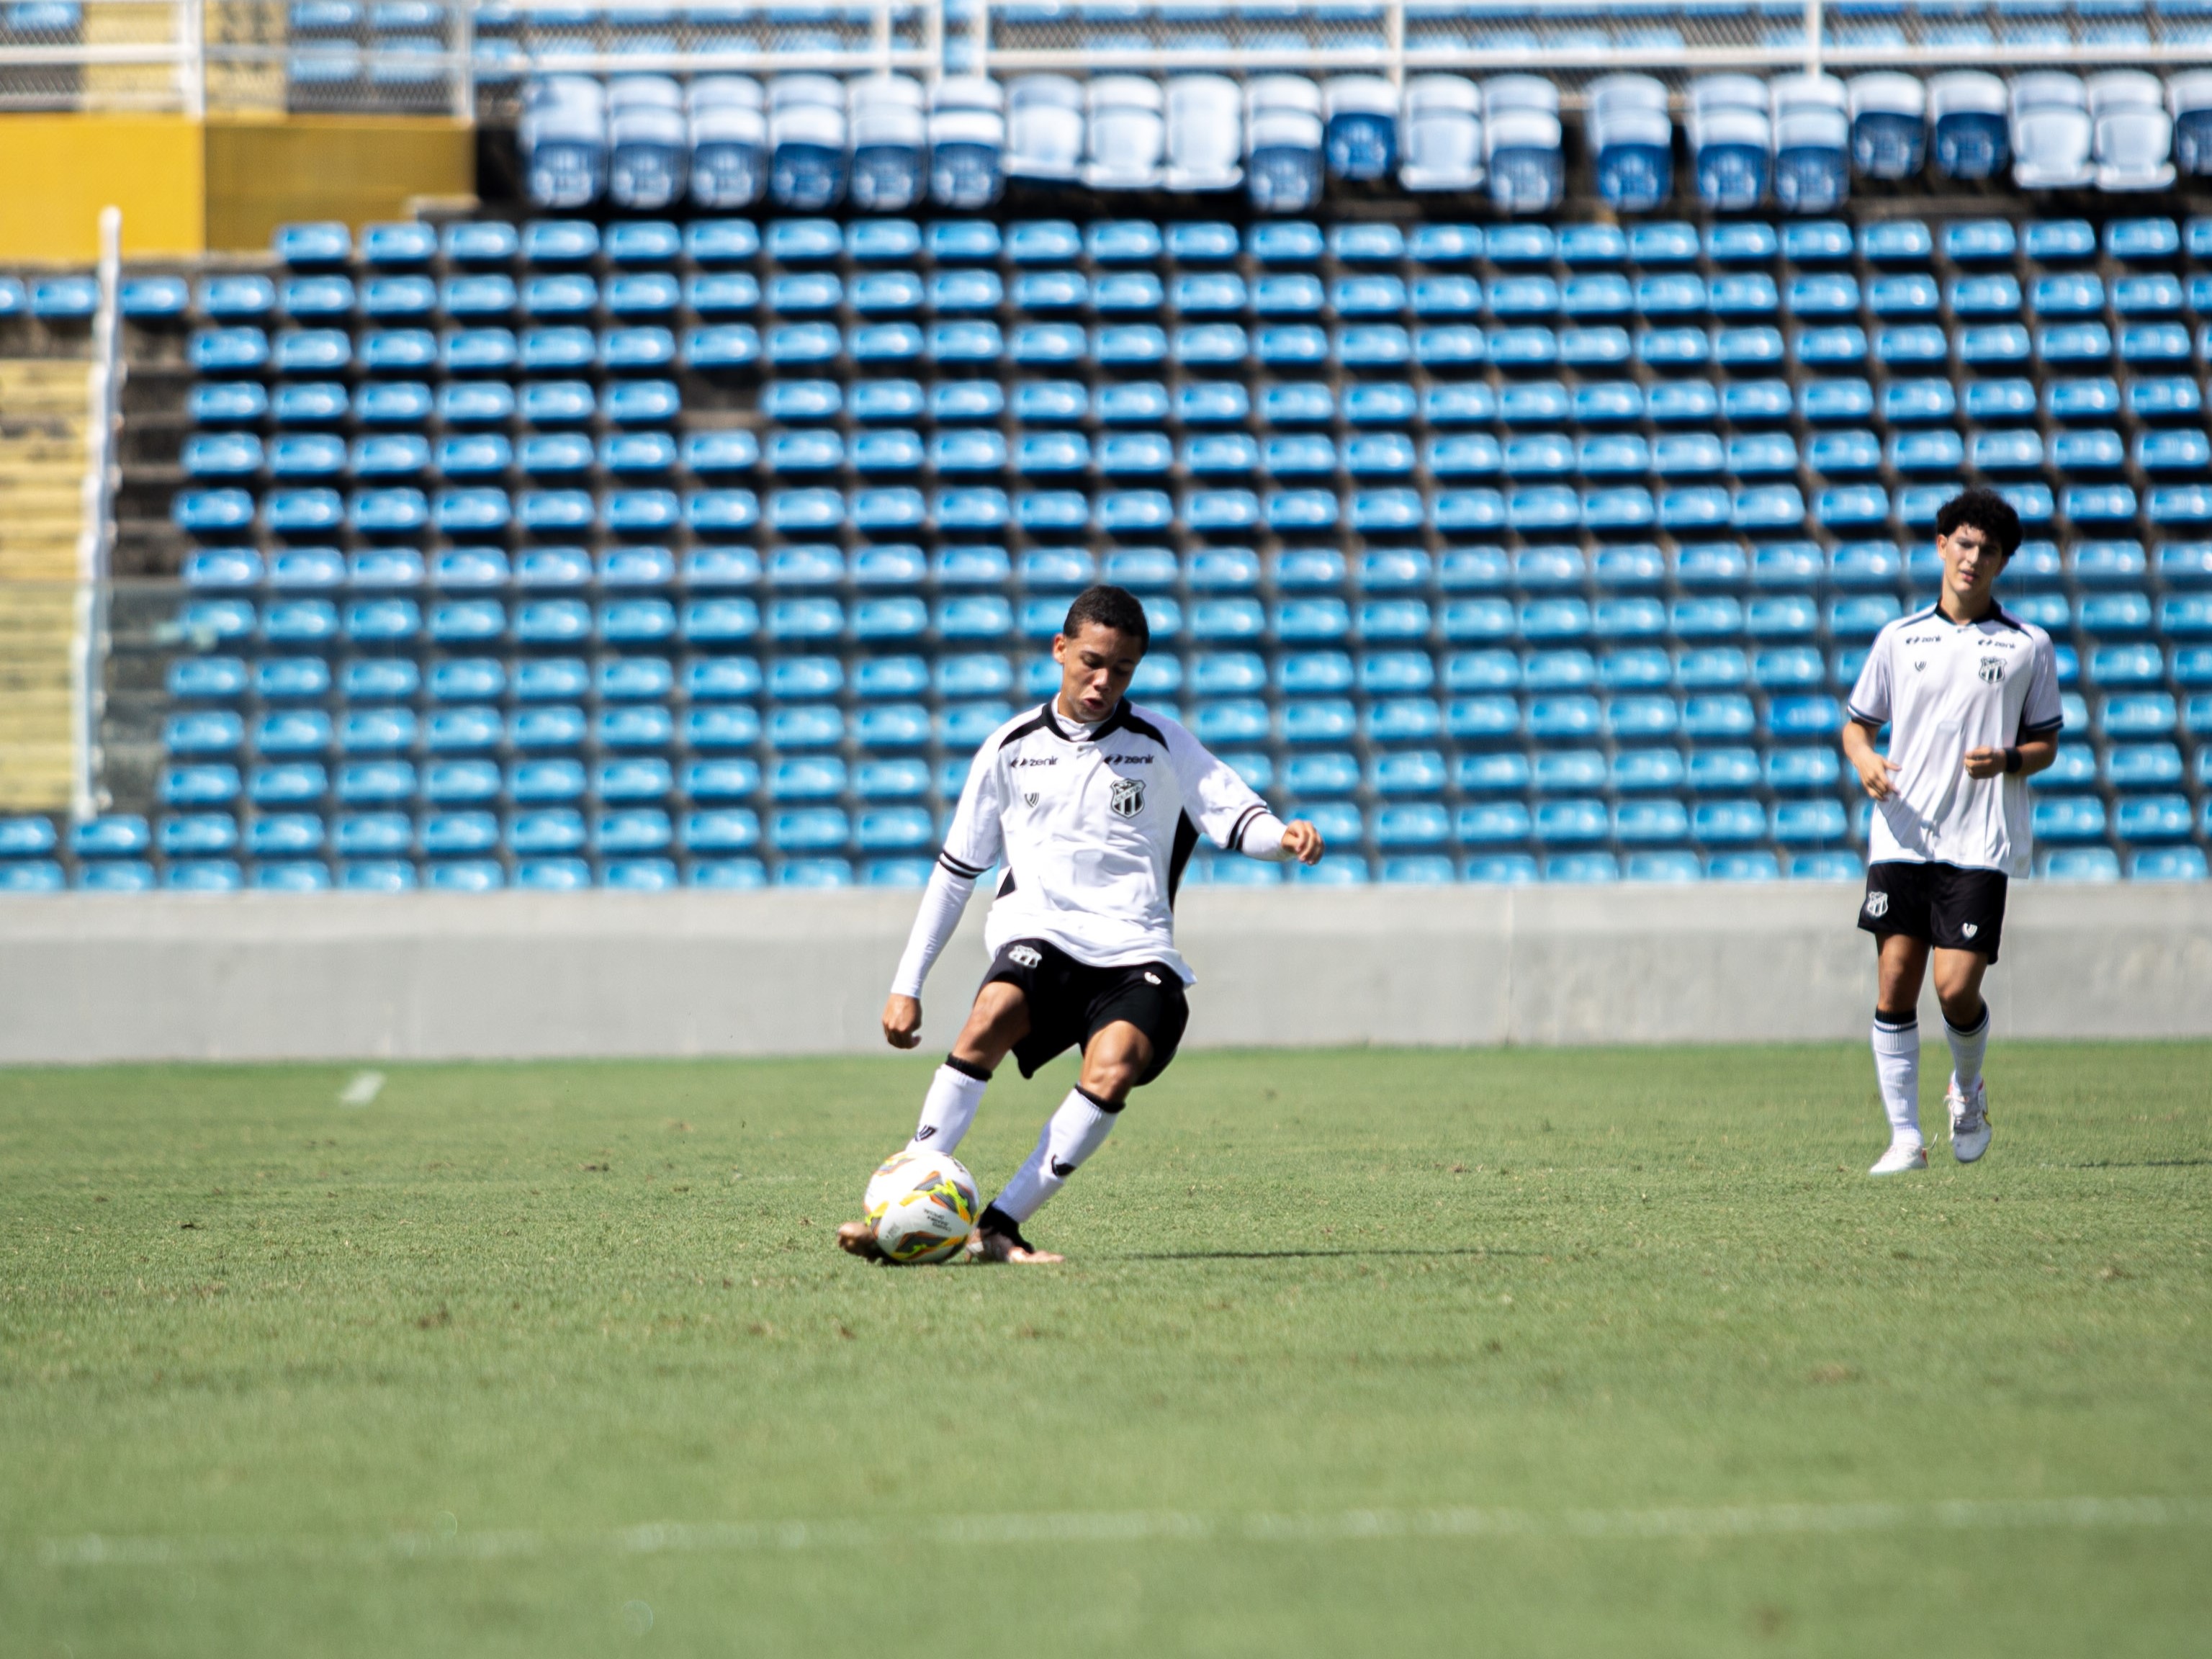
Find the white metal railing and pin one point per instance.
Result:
(243, 53)
(96, 534)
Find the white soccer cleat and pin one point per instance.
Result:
(1902, 1155)
(1970, 1121)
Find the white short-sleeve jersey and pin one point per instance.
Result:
(1094, 829)
(1944, 688)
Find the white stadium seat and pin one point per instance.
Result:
(1127, 135)
(1442, 132)
(2051, 133)
(1044, 127)
(1205, 133)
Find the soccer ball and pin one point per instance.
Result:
(923, 1206)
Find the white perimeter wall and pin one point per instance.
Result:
(254, 976)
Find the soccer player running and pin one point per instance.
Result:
(1970, 697)
(1092, 805)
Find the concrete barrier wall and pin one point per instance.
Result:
(264, 976)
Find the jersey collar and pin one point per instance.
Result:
(1994, 614)
(1114, 722)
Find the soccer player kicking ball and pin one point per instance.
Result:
(1092, 807)
(1970, 697)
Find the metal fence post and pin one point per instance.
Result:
(96, 533)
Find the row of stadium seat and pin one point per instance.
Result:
(568, 874)
(1054, 406)
(706, 244)
(312, 353)
(463, 777)
(2034, 581)
(1140, 453)
(296, 514)
(1789, 714)
(807, 140)
(970, 291)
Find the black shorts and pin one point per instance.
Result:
(1953, 908)
(1069, 1000)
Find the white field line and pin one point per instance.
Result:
(1143, 1526)
(363, 1089)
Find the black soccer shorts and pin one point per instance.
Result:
(1951, 908)
(1070, 1001)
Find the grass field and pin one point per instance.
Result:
(1368, 1352)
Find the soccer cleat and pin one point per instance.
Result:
(1970, 1121)
(859, 1238)
(999, 1239)
(1902, 1155)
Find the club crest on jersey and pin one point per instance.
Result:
(1992, 671)
(1126, 798)
(1877, 905)
(1030, 799)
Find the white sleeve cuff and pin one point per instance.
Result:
(1262, 838)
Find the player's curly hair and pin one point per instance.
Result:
(1984, 510)
(1108, 606)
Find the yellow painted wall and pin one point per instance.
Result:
(354, 167)
(184, 188)
(57, 172)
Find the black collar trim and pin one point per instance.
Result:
(1123, 716)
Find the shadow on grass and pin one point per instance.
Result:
(1289, 1255)
(2142, 1163)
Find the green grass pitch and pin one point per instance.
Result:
(1357, 1351)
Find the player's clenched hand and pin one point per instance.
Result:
(1873, 772)
(903, 1022)
(1984, 762)
(1303, 841)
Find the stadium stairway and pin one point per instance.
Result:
(42, 458)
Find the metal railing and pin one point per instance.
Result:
(96, 538)
(466, 57)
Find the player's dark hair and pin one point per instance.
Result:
(1108, 606)
(1984, 510)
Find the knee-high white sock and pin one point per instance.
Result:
(1070, 1135)
(1967, 1051)
(1897, 1066)
(949, 1107)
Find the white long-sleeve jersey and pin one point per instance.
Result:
(1093, 827)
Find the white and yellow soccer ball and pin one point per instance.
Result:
(923, 1206)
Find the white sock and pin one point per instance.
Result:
(948, 1108)
(1070, 1135)
(1897, 1067)
(1967, 1051)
